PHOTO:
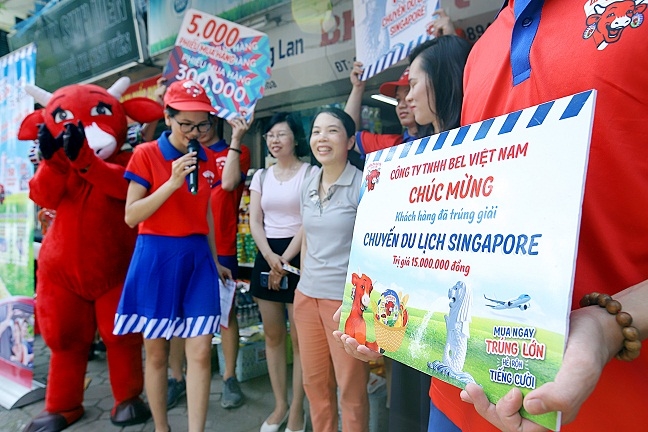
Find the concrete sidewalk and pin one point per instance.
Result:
(98, 401)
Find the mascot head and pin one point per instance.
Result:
(104, 118)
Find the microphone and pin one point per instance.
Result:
(194, 146)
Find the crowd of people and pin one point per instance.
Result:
(303, 216)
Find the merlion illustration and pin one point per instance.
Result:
(457, 335)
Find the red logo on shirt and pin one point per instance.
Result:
(209, 175)
(220, 162)
(606, 19)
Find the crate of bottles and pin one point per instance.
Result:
(246, 249)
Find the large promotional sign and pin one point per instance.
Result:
(16, 229)
(464, 248)
(82, 41)
(230, 61)
(165, 17)
(386, 31)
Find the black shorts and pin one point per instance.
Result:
(278, 246)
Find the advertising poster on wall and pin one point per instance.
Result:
(467, 273)
(16, 229)
(231, 61)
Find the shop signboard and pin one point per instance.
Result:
(82, 41)
(230, 61)
(16, 230)
(306, 55)
(464, 249)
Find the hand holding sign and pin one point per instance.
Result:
(230, 61)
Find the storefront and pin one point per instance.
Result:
(312, 49)
(310, 66)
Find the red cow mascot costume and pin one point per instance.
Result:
(86, 252)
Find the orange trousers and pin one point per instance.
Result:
(326, 366)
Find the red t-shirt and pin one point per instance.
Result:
(370, 142)
(613, 253)
(225, 205)
(182, 214)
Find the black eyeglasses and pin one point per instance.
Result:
(189, 127)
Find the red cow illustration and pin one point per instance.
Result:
(372, 179)
(355, 325)
(389, 307)
(607, 23)
(84, 257)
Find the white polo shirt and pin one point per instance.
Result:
(328, 228)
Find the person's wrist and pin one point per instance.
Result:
(599, 330)
(267, 255)
(236, 150)
(621, 338)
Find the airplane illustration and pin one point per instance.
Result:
(520, 302)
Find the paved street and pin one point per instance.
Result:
(98, 402)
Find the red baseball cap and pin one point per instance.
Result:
(187, 95)
(389, 88)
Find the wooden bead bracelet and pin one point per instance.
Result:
(631, 343)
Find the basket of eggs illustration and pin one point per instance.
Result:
(390, 319)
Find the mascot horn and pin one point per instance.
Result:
(86, 252)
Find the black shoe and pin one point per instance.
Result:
(52, 422)
(130, 412)
(175, 390)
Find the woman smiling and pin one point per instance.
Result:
(329, 201)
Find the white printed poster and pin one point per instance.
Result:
(464, 248)
(386, 31)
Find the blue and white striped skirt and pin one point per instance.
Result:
(171, 289)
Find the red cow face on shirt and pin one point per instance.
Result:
(607, 20)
